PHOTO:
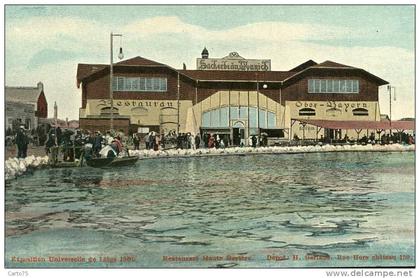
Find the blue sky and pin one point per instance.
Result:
(46, 42)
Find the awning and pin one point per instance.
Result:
(396, 125)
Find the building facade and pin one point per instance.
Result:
(230, 95)
(25, 106)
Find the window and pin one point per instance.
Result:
(107, 111)
(28, 124)
(336, 86)
(127, 84)
(271, 120)
(234, 113)
(355, 86)
(329, 86)
(262, 119)
(317, 86)
(311, 86)
(149, 84)
(206, 119)
(215, 118)
(120, 83)
(252, 116)
(307, 112)
(333, 86)
(142, 84)
(139, 84)
(360, 112)
(323, 86)
(243, 112)
(135, 84)
(224, 116)
(342, 86)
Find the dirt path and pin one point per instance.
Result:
(11, 151)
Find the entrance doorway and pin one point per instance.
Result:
(332, 134)
(238, 134)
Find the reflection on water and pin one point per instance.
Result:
(249, 208)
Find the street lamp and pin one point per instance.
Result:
(390, 106)
(111, 88)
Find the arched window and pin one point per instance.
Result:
(333, 112)
(360, 112)
(139, 111)
(106, 111)
(307, 112)
(238, 124)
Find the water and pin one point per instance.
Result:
(241, 211)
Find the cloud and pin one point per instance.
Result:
(48, 49)
(50, 55)
(262, 31)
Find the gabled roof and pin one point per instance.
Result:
(139, 61)
(23, 94)
(330, 65)
(219, 75)
(86, 70)
(303, 66)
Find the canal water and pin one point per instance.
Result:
(290, 210)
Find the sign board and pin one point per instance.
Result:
(143, 130)
(234, 62)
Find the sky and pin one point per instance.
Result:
(45, 43)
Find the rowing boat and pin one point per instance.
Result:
(112, 161)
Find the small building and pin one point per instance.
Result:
(25, 106)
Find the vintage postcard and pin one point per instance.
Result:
(201, 136)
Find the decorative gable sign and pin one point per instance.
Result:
(233, 62)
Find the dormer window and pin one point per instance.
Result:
(140, 84)
(333, 86)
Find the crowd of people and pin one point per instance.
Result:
(384, 139)
(73, 143)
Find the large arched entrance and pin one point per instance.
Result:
(238, 133)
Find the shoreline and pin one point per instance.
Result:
(15, 167)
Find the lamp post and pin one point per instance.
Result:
(390, 106)
(111, 71)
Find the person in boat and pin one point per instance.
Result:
(97, 143)
(67, 144)
(117, 145)
(108, 151)
(108, 138)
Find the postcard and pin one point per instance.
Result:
(209, 136)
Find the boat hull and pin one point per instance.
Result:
(112, 162)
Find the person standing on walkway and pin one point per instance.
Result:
(136, 141)
(211, 143)
(254, 141)
(147, 140)
(22, 142)
(197, 141)
(58, 135)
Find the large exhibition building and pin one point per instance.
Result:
(231, 95)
